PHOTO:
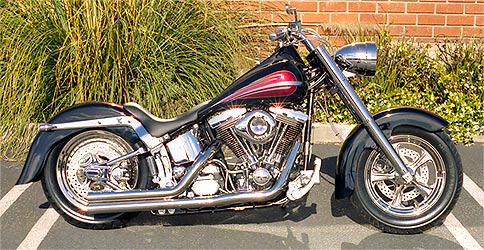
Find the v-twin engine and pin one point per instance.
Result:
(260, 140)
(261, 149)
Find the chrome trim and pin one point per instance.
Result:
(128, 121)
(362, 113)
(226, 116)
(200, 202)
(46, 127)
(189, 177)
(295, 190)
(358, 58)
(243, 127)
(184, 148)
(137, 152)
(293, 114)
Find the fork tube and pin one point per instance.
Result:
(308, 130)
(360, 110)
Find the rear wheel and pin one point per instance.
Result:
(426, 201)
(66, 184)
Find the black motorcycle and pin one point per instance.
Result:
(249, 147)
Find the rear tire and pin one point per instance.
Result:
(420, 205)
(66, 186)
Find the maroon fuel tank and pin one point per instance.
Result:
(279, 83)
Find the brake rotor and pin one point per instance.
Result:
(87, 155)
(388, 188)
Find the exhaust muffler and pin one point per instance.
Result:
(199, 163)
(147, 203)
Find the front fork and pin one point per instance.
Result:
(308, 130)
(354, 102)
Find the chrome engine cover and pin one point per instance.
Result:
(261, 177)
(209, 180)
(295, 115)
(184, 148)
(226, 116)
(205, 185)
(257, 127)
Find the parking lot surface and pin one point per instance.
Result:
(317, 222)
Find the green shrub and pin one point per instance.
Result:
(165, 55)
(446, 78)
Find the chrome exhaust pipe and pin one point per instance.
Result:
(197, 166)
(142, 204)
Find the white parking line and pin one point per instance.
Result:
(39, 230)
(461, 234)
(11, 197)
(474, 190)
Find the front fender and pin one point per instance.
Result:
(359, 140)
(45, 141)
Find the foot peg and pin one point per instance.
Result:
(304, 182)
(163, 211)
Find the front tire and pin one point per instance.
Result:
(66, 186)
(420, 205)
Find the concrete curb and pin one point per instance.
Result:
(479, 138)
(323, 133)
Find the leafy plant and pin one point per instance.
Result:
(171, 55)
(165, 55)
(445, 79)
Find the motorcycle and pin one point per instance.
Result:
(250, 147)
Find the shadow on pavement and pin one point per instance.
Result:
(293, 211)
(342, 207)
(392, 241)
(222, 238)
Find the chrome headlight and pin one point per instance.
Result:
(357, 58)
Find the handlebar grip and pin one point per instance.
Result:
(280, 34)
(276, 36)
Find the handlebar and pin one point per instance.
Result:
(293, 33)
(289, 36)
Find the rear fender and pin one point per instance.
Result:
(359, 140)
(46, 141)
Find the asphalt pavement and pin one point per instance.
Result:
(317, 222)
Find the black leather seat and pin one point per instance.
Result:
(157, 126)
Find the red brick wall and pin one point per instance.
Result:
(425, 20)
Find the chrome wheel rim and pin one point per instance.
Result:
(70, 171)
(416, 197)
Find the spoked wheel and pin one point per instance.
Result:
(72, 172)
(425, 202)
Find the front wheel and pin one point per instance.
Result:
(66, 184)
(421, 204)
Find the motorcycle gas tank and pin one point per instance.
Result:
(279, 82)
